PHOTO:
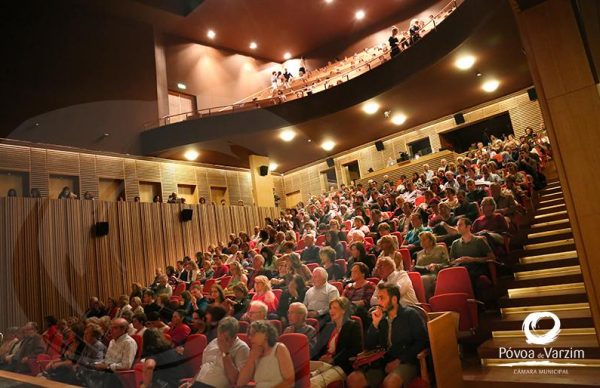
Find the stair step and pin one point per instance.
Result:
(549, 244)
(505, 301)
(548, 272)
(556, 280)
(549, 215)
(545, 197)
(545, 265)
(548, 257)
(553, 184)
(548, 202)
(551, 189)
(548, 290)
(563, 332)
(516, 323)
(550, 209)
(549, 233)
(566, 310)
(501, 375)
(540, 225)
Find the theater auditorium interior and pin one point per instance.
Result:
(315, 193)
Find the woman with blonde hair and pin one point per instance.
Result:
(430, 260)
(263, 293)
(238, 275)
(389, 248)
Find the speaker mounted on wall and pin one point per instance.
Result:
(330, 162)
(459, 118)
(263, 170)
(100, 228)
(186, 215)
(379, 145)
(532, 93)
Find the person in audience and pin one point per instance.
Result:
(402, 332)
(207, 270)
(219, 268)
(359, 224)
(466, 208)
(257, 270)
(119, 356)
(139, 323)
(310, 253)
(394, 42)
(27, 349)
(240, 302)
(123, 304)
(63, 368)
(332, 240)
(474, 193)
(430, 260)
(334, 271)
(339, 341)
(386, 269)
(297, 267)
(270, 260)
(66, 193)
(164, 288)
(358, 254)
(257, 311)
(360, 291)
(155, 322)
(389, 248)
(11, 338)
(162, 365)
(238, 275)
(296, 317)
(222, 359)
(263, 293)
(491, 224)
(35, 193)
(179, 330)
(217, 295)
(149, 302)
(295, 292)
(269, 362)
(317, 297)
(472, 252)
(213, 316)
(411, 241)
(95, 308)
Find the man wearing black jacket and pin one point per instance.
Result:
(408, 337)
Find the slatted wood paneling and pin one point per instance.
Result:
(52, 263)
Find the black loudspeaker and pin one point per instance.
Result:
(532, 93)
(186, 215)
(330, 162)
(264, 170)
(100, 228)
(459, 118)
(370, 170)
(379, 145)
(404, 156)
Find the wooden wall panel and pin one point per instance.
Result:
(62, 162)
(88, 179)
(39, 177)
(132, 184)
(110, 167)
(14, 158)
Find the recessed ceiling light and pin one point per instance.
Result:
(287, 135)
(399, 119)
(329, 1)
(287, 56)
(490, 85)
(273, 166)
(371, 108)
(191, 155)
(327, 145)
(253, 45)
(465, 62)
(359, 15)
(181, 86)
(211, 34)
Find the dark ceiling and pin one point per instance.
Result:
(429, 94)
(277, 26)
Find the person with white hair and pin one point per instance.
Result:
(317, 297)
(257, 311)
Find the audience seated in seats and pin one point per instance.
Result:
(149, 302)
(339, 340)
(269, 362)
(471, 252)
(492, 225)
(30, 345)
(466, 207)
(358, 254)
(238, 275)
(123, 305)
(164, 288)
(430, 260)
(317, 297)
(332, 240)
(95, 309)
(179, 330)
(411, 241)
(218, 297)
(220, 268)
(138, 321)
(310, 253)
(359, 224)
(119, 356)
(284, 275)
(401, 331)
(296, 317)
(163, 366)
(270, 260)
(257, 311)
(334, 226)
(263, 293)
(198, 325)
(212, 317)
(111, 307)
(63, 368)
(240, 301)
(386, 270)
(7, 348)
(443, 225)
(360, 291)
(257, 270)
(223, 358)
(295, 292)
(334, 270)
(474, 193)
(155, 322)
(389, 248)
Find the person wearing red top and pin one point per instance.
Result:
(491, 224)
(179, 330)
(262, 286)
(220, 269)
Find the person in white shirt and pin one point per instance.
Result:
(411, 192)
(223, 357)
(386, 269)
(317, 297)
(359, 224)
(451, 182)
(429, 173)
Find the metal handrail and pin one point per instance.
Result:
(292, 93)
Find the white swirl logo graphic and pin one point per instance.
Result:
(530, 323)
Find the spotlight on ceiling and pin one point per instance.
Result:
(465, 62)
(273, 166)
(359, 15)
(398, 119)
(253, 45)
(181, 86)
(211, 34)
(327, 145)
(191, 155)
(490, 85)
(329, 1)
(478, 73)
(287, 135)
(287, 56)
(371, 108)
